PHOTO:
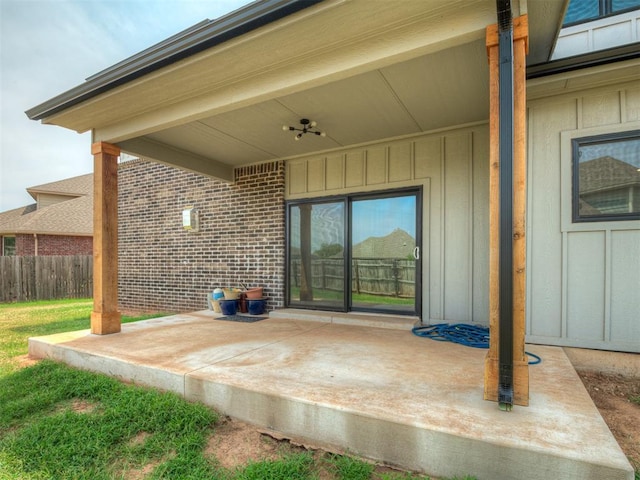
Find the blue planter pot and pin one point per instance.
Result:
(228, 307)
(256, 307)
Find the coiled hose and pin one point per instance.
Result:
(474, 336)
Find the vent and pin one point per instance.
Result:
(257, 169)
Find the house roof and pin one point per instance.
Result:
(16, 213)
(68, 217)
(71, 217)
(195, 39)
(75, 186)
(397, 244)
(607, 173)
(365, 71)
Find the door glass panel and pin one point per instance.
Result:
(383, 254)
(316, 255)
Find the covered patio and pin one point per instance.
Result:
(363, 384)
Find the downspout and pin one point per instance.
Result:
(35, 244)
(505, 76)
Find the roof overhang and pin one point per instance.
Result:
(363, 70)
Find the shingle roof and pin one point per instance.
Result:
(11, 215)
(397, 244)
(606, 173)
(68, 217)
(81, 185)
(71, 217)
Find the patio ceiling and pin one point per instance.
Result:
(430, 92)
(364, 74)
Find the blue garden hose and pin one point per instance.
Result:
(474, 336)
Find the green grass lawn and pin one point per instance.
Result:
(19, 321)
(331, 295)
(57, 422)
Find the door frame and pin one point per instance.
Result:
(348, 199)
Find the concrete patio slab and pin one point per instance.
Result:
(382, 393)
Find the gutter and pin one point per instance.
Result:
(506, 140)
(578, 62)
(200, 37)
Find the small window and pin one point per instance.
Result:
(606, 177)
(586, 10)
(8, 245)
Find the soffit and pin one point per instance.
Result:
(422, 94)
(577, 80)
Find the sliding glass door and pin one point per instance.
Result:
(355, 252)
(316, 255)
(384, 253)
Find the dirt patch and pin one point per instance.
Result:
(236, 443)
(25, 361)
(139, 439)
(140, 473)
(612, 395)
(82, 406)
(76, 405)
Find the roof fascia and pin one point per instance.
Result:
(588, 60)
(200, 37)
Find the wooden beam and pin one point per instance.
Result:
(520, 362)
(175, 157)
(105, 318)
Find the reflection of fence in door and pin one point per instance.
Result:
(392, 277)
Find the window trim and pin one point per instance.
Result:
(605, 10)
(566, 180)
(576, 143)
(4, 254)
(419, 191)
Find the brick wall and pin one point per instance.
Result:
(53, 245)
(25, 245)
(163, 267)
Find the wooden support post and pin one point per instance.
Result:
(105, 318)
(520, 362)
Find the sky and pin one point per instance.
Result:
(50, 46)
(625, 150)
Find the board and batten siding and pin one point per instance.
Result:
(583, 283)
(452, 167)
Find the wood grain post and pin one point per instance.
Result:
(520, 362)
(105, 318)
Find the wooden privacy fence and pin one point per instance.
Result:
(394, 277)
(45, 278)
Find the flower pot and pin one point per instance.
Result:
(228, 307)
(215, 304)
(256, 307)
(231, 293)
(242, 303)
(254, 293)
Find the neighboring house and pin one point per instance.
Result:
(609, 186)
(397, 244)
(401, 93)
(59, 223)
